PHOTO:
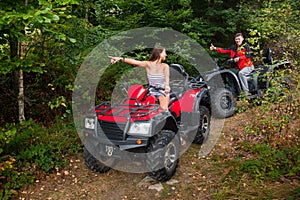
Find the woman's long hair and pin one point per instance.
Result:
(155, 55)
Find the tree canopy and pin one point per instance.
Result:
(58, 34)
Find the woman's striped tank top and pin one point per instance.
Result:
(156, 80)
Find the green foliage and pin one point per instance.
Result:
(281, 88)
(29, 148)
(15, 180)
(61, 103)
(215, 22)
(271, 138)
(276, 22)
(59, 34)
(44, 156)
(41, 28)
(271, 141)
(7, 135)
(31, 24)
(253, 40)
(270, 162)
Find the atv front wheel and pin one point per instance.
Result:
(204, 126)
(163, 155)
(223, 103)
(93, 163)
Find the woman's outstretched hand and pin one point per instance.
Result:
(212, 47)
(114, 60)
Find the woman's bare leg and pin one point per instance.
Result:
(164, 101)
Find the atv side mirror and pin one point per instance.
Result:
(267, 56)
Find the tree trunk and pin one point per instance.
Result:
(21, 96)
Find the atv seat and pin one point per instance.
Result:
(136, 93)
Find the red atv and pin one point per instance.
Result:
(139, 131)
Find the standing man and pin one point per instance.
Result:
(240, 53)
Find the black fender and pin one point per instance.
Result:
(164, 120)
(202, 98)
(223, 78)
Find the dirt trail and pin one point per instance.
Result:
(196, 177)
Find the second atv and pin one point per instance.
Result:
(225, 94)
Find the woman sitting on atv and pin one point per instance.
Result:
(158, 73)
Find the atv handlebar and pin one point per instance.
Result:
(227, 62)
(230, 60)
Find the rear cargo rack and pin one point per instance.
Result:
(131, 110)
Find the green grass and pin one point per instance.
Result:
(29, 150)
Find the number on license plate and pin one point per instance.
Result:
(109, 150)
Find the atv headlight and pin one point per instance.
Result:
(139, 128)
(89, 123)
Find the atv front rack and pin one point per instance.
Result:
(132, 110)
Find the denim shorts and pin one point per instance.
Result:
(156, 91)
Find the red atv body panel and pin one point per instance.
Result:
(139, 106)
(188, 100)
(142, 106)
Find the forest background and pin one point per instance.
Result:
(44, 42)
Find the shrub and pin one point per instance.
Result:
(30, 149)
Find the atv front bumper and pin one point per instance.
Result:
(130, 142)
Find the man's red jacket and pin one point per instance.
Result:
(243, 52)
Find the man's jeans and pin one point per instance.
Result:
(243, 77)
